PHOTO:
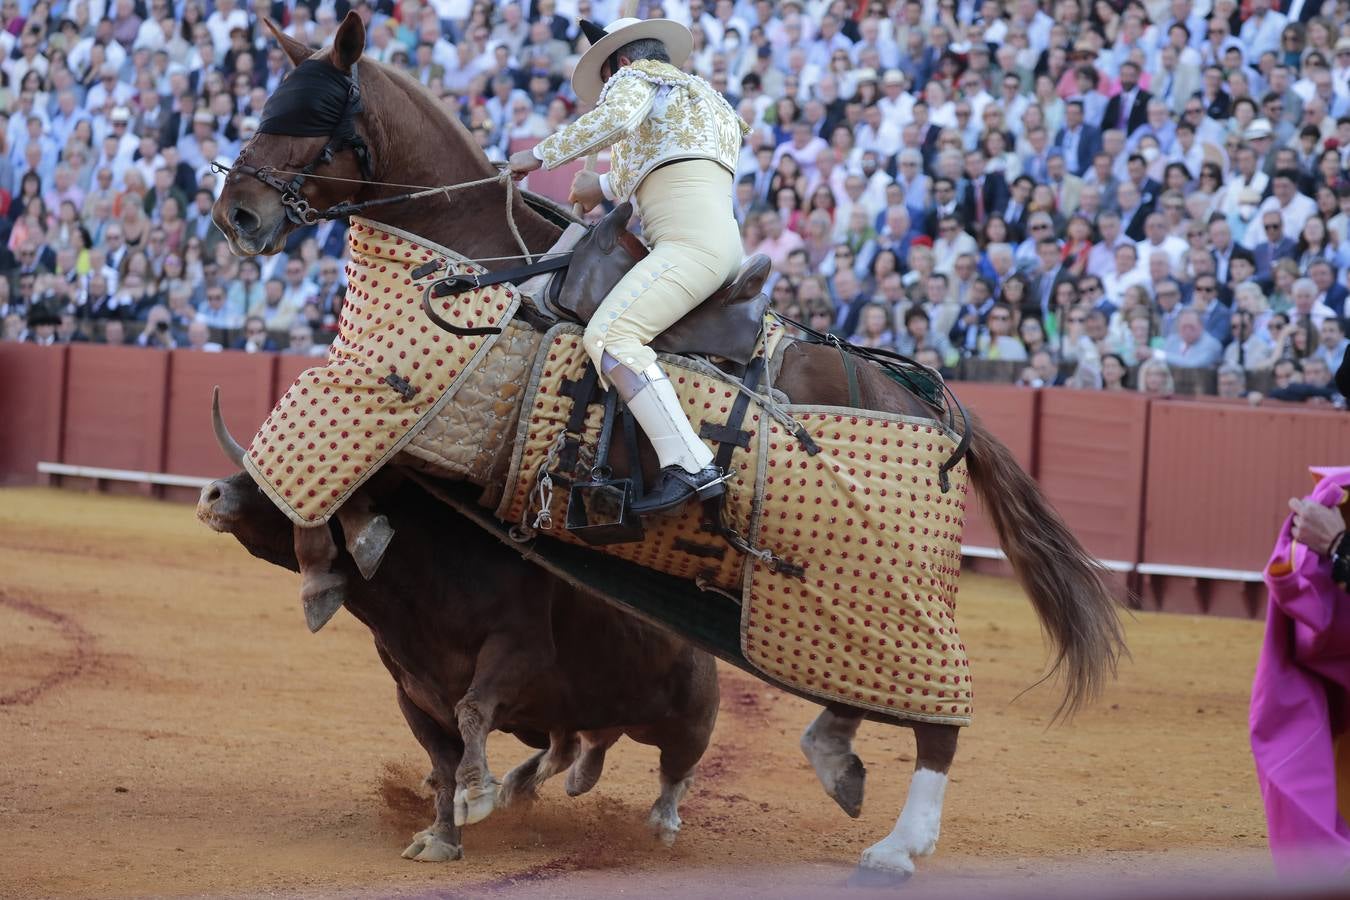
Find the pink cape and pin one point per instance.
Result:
(1300, 698)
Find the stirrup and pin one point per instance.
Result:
(674, 486)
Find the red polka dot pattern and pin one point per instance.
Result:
(873, 622)
(340, 422)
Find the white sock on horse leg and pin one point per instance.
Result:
(916, 830)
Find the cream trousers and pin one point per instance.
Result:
(696, 246)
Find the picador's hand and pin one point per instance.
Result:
(523, 163)
(586, 190)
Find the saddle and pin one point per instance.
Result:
(726, 324)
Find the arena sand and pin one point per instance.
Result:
(169, 727)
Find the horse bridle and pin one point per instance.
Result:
(342, 137)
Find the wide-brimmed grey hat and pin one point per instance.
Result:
(586, 81)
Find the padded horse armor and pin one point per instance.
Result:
(727, 324)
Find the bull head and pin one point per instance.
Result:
(237, 506)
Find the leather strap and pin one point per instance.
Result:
(458, 284)
(732, 437)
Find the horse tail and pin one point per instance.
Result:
(1067, 586)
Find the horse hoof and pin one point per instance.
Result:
(864, 877)
(848, 788)
(370, 546)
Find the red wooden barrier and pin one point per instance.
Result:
(32, 388)
(1009, 413)
(556, 184)
(289, 368)
(1220, 477)
(1090, 464)
(115, 405)
(246, 395)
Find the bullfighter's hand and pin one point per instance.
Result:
(1317, 527)
(523, 163)
(586, 190)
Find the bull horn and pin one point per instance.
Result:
(228, 445)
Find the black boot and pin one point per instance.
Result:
(674, 486)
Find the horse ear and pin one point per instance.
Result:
(350, 41)
(297, 51)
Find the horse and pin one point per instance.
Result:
(409, 139)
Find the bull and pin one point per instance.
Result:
(474, 645)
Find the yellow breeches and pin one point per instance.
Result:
(696, 247)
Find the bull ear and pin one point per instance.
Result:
(350, 42)
(294, 49)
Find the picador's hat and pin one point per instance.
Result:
(586, 81)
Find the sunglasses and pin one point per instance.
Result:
(1207, 288)
(1275, 227)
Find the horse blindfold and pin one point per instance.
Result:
(315, 100)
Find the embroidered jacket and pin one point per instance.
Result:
(649, 113)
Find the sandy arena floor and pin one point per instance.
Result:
(169, 727)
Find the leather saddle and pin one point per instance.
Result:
(727, 324)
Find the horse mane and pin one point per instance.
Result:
(455, 150)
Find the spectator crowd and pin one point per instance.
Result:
(1112, 194)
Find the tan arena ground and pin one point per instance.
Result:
(169, 727)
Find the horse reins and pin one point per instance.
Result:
(341, 136)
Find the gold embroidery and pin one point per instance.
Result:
(694, 122)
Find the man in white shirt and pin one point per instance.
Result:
(1262, 29)
(1294, 208)
(1158, 240)
(803, 147)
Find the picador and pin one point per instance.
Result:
(674, 143)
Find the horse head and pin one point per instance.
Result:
(315, 123)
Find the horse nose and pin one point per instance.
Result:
(244, 222)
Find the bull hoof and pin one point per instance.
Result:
(584, 773)
(865, 877)
(473, 805)
(427, 847)
(665, 826)
(370, 545)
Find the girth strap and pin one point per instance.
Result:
(729, 437)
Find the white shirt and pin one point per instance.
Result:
(1301, 207)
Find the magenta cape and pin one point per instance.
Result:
(1299, 698)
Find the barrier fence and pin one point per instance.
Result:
(1180, 498)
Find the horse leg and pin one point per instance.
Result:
(828, 745)
(523, 782)
(440, 841)
(585, 772)
(367, 533)
(322, 591)
(916, 830)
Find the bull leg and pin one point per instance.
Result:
(585, 772)
(507, 664)
(523, 782)
(322, 591)
(367, 533)
(440, 841)
(828, 745)
(916, 830)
